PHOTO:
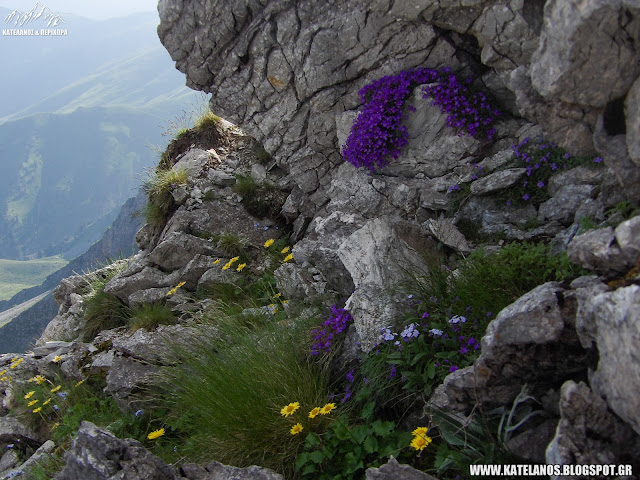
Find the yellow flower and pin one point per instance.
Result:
(289, 409)
(285, 249)
(30, 394)
(327, 408)
(3, 379)
(288, 257)
(39, 379)
(80, 383)
(175, 289)
(16, 361)
(296, 429)
(233, 260)
(284, 302)
(155, 434)
(37, 410)
(3, 371)
(216, 262)
(420, 442)
(32, 403)
(420, 431)
(47, 401)
(57, 359)
(314, 413)
(268, 243)
(277, 295)
(226, 266)
(55, 425)
(241, 266)
(54, 390)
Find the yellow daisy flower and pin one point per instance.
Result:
(57, 359)
(420, 431)
(3, 371)
(32, 403)
(54, 390)
(421, 442)
(314, 413)
(47, 401)
(268, 243)
(288, 257)
(216, 262)
(285, 249)
(17, 361)
(289, 409)
(234, 260)
(241, 266)
(296, 429)
(30, 394)
(327, 408)
(79, 383)
(155, 434)
(37, 410)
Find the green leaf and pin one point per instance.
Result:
(311, 468)
(370, 444)
(417, 358)
(359, 433)
(367, 410)
(301, 460)
(383, 428)
(431, 370)
(313, 440)
(317, 456)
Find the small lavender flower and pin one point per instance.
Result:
(349, 376)
(526, 196)
(139, 413)
(540, 184)
(457, 319)
(597, 160)
(436, 332)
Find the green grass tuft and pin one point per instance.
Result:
(158, 189)
(208, 120)
(228, 393)
(149, 316)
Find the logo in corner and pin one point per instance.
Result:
(39, 15)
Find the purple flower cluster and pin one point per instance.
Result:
(467, 111)
(378, 133)
(540, 161)
(335, 324)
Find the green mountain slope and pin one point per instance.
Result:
(66, 176)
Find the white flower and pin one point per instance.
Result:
(435, 332)
(457, 319)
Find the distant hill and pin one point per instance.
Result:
(112, 62)
(117, 241)
(64, 177)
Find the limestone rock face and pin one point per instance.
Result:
(98, 455)
(374, 256)
(587, 432)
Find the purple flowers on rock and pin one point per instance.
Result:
(335, 324)
(378, 132)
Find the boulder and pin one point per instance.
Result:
(377, 260)
(96, 454)
(125, 379)
(596, 250)
(616, 315)
(588, 433)
(392, 470)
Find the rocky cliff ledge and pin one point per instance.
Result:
(519, 159)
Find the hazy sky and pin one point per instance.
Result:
(97, 9)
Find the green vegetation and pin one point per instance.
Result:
(261, 201)
(17, 275)
(149, 316)
(206, 121)
(227, 394)
(158, 189)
